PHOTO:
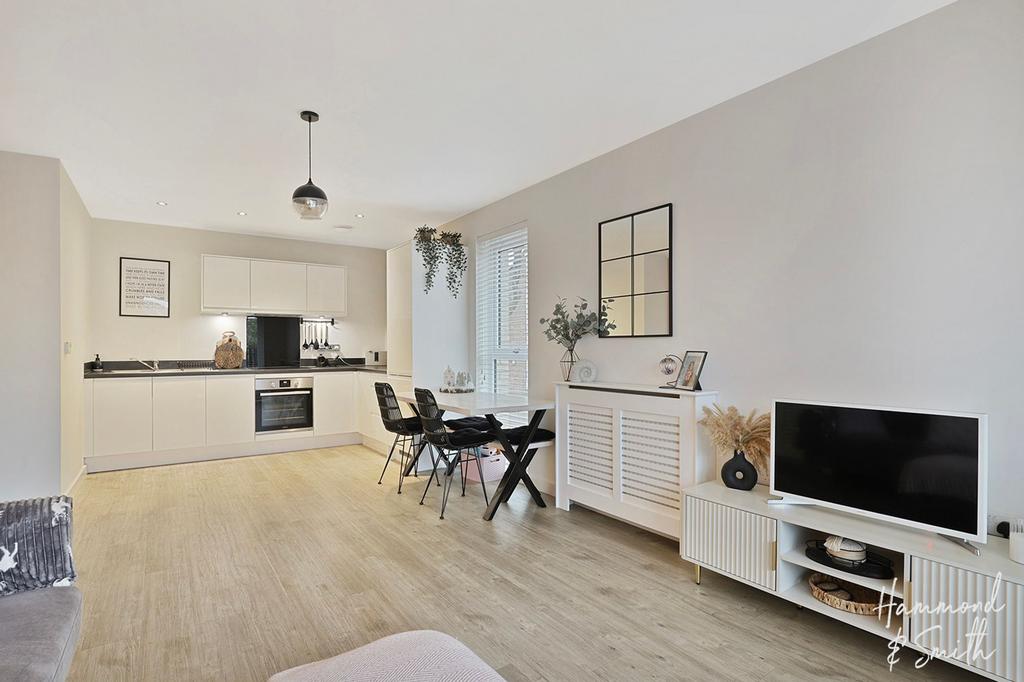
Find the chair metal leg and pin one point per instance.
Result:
(401, 470)
(449, 476)
(388, 461)
(480, 470)
(463, 470)
(433, 473)
(412, 453)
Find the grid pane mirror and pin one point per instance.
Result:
(635, 272)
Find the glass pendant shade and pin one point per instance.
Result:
(309, 201)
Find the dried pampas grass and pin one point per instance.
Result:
(730, 431)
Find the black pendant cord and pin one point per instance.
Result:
(309, 148)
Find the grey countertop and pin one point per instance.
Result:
(124, 373)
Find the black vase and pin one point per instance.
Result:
(738, 473)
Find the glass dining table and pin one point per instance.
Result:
(487, 405)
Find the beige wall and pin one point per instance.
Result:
(30, 337)
(187, 334)
(850, 232)
(75, 242)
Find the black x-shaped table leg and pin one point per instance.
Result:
(518, 460)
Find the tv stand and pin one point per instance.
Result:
(788, 501)
(959, 542)
(736, 534)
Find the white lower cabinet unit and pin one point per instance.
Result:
(732, 541)
(179, 413)
(965, 609)
(230, 410)
(628, 450)
(122, 416)
(996, 627)
(334, 403)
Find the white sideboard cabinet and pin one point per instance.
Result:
(949, 592)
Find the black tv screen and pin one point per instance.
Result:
(915, 467)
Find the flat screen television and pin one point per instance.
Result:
(917, 468)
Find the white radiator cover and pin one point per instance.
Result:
(732, 541)
(934, 583)
(628, 451)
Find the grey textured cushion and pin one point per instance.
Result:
(417, 656)
(39, 633)
(35, 544)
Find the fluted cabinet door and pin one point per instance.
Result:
(995, 608)
(731, 541)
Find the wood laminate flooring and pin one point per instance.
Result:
(236, 569)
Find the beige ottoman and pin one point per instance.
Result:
(420, 655)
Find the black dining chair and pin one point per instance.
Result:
(450, 446)
(408, 430)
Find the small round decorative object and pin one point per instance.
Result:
(584, 371)
(668, 366)
(738, 473)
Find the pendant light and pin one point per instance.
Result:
(309, 201)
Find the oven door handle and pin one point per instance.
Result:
(261, 394)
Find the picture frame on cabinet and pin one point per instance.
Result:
(144, 286)
(689, 373)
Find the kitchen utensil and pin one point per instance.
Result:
(305, 336)
(316, 341)
(324, 344)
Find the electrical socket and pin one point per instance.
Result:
(993, 521)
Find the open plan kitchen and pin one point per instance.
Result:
(276, 378)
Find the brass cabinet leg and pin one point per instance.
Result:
(696, 573)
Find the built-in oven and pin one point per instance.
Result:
(284, 404)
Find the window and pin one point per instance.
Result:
(502, 315)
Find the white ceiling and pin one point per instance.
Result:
(428, 109)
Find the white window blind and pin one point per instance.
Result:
(502, 315)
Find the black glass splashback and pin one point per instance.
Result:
(272, 341)
(909, 465)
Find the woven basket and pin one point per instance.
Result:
(229, 353)
(863, 601)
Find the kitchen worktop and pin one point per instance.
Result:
(312, 369)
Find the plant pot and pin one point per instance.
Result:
(569, 358)
(738, 473)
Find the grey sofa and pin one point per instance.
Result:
(39, 633)
(40, 608)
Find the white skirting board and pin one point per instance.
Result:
(136, 460)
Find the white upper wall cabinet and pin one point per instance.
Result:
(225, 283)
(248, 285)
(278, 287)
(326, 289)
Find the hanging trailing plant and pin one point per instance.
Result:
(430, 249)
(456, 259)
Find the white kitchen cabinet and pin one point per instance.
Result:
(327, 290)
(179, 412)
(278, 287)
(230, 410)
(226, 282)
(122, 416)
(334, 403)
(399, 316)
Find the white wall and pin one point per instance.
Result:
(850, 232)
(30, 337)
(75, 243)
(439, 324)
(189, 335)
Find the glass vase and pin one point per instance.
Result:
(569, 358)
